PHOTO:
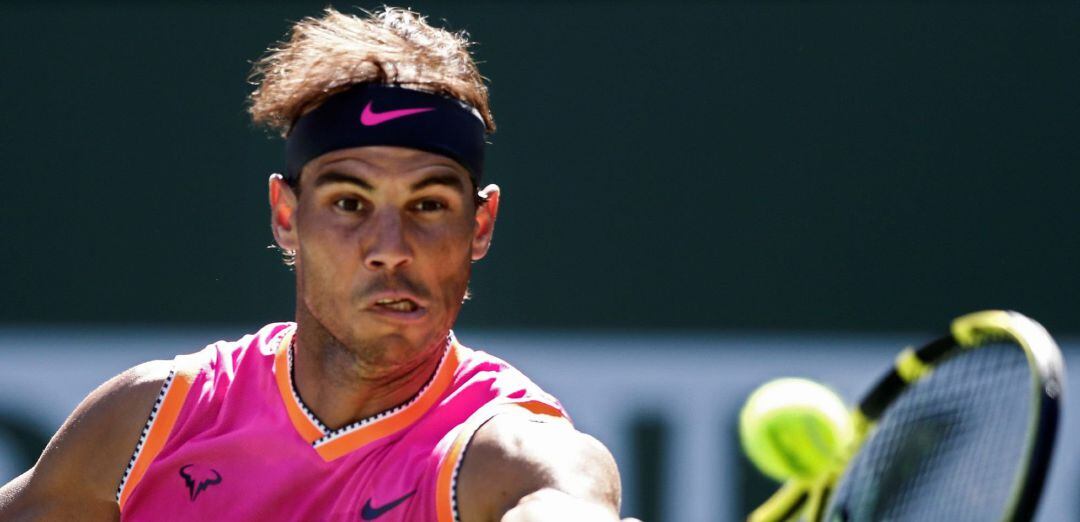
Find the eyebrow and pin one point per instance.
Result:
(337, 177)
(446, 180)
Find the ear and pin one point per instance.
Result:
(485, 222)
(282, 211)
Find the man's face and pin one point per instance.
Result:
(384, 240)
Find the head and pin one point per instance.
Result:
(382, 237)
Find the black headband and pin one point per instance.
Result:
(375, 114)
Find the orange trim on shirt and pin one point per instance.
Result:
(159, 431)
(308, 430)
(399, 420)
(444, 484)
(446, 481)
(542, 408)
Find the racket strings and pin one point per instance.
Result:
(949, 447)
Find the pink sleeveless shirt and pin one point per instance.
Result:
(230, 439)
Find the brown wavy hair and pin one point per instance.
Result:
(327, 54)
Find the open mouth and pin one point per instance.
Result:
(397, 305)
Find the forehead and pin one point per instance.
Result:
(383, 164)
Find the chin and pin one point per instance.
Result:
(396, 338)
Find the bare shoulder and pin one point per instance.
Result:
(77, 474)
(517, 459)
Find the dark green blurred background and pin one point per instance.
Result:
(791, 166)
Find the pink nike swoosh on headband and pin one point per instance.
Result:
(370, 118)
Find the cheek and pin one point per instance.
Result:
(447, 255)
(445, 247)
(325, 259)
(326, 247)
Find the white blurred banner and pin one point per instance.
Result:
(692, 385)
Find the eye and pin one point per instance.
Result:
(349, 204)
(429, 205)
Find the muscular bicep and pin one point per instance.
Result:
(516, 458)
(76, 476)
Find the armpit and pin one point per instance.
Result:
(515, 455)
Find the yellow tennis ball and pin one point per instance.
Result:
(795, 428)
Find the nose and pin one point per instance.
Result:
(387, 247)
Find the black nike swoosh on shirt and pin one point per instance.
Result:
(371, 513)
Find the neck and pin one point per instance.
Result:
(344, 384)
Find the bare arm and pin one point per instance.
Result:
(518, 469)
(76, 476)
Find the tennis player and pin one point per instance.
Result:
(366, 407)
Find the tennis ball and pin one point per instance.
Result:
(795, 428)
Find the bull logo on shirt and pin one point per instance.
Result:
(198, 478)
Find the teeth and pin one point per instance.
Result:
(400, 305)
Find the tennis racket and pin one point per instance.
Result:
(960, 429)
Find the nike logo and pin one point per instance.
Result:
(198, 478)
(371, 513)
(370, 118)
